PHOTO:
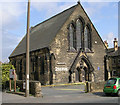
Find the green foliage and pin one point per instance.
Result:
(5, 72)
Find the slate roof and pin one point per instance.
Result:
(110, 50)
(114, 53)
(42, 34)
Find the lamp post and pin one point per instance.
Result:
(27, 51)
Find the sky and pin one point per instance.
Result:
(119, 23)
(13, 20)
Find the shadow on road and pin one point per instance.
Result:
(17, 93)
(102, 94)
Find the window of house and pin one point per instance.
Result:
(14, 63)
(86, 38)
(20, 65)
(119, 61)
(79, 33)
(74, 40)
(20, 72)
(119, 81)
(115, 73)
(24, 66)
(42, 65)
(71, 33)
(33, 66)
(113, 61)
(89, 39)
(52, 63)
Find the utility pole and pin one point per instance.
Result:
(27, 51)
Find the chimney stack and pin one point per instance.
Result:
(106, 43)
(115, 44)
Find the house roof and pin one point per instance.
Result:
(111, 52)
(42, 34)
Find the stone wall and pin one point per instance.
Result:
(60, 48)
(114, 65)
(36, 73)
(34, 87)
(97, 86)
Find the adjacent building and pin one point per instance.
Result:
(65, 48)
(113, 60)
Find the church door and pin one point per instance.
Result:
(77, 76)
(83, 75)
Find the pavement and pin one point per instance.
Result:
(61, 94)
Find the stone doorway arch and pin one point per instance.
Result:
(82, 71)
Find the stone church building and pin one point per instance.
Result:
(65, 48)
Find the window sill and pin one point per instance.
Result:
(72, 50)
(89, 52)
(69, 51)
(75, 51)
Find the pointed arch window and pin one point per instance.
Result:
(87, 39)
(42, 60)
(79, 33)
(71, 37)
(74, 40)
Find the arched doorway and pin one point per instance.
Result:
(83, 71)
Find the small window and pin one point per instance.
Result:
(119, 61)
(86, 38)
(42, 65)
(114, 73)
(113, 61)
(24, 67)
(71, 36)
(79, 28)
(119, 81)
(74, 40)
(33, 66)
(112, 81)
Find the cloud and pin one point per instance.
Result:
(110, 38)
(9, 43)
(51, 8)
(93, 8)
(10, 14)
(60, 0)
(9, 22)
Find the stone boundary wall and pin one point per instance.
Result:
(34, 87)
(96, 86)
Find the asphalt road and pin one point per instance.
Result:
(66, 94)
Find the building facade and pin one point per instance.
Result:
(113, 60)
(65, 48)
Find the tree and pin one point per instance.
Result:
(5, 73)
